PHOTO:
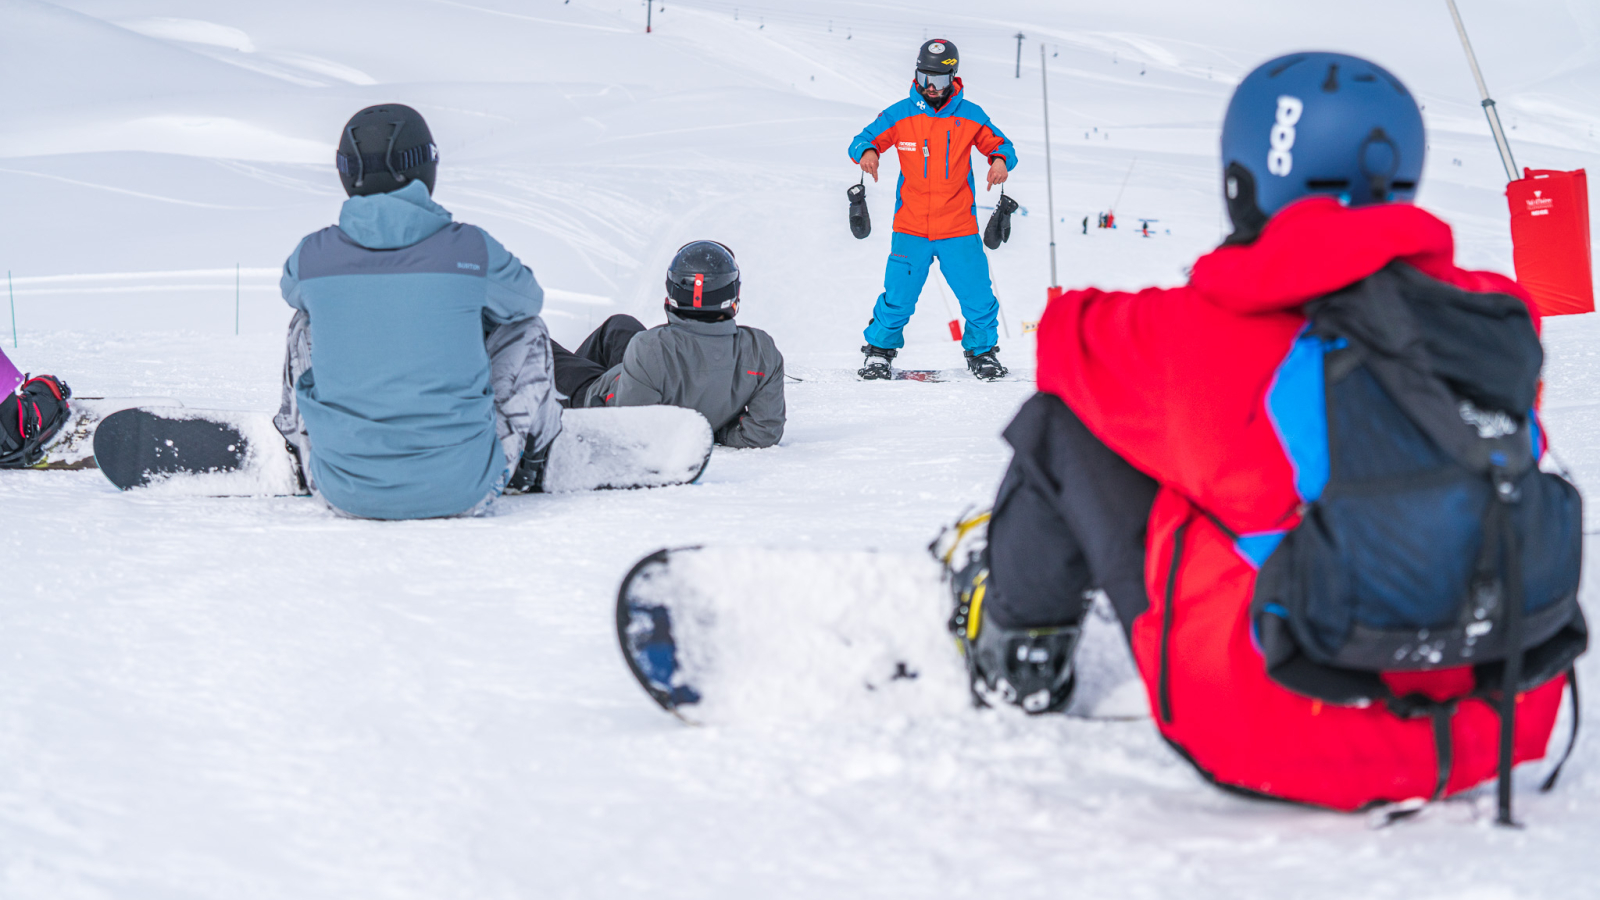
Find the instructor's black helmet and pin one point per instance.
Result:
(703, 281)
(383, 148)
(937, 63)
(938, 57)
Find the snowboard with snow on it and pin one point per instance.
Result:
(208, 452)
(73, 447)
(721, 635)
(623, 447)
(224, 453)
(943, 375)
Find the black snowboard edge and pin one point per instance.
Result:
(624, 616)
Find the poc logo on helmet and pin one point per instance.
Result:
(1280, 161)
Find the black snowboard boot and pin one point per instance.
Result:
(529, 476)
(877, 365)
(986, 366)
(31, 419)
(1026, 667)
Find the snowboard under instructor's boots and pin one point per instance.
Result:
(1026, 667)
(985, 366)
(877, 365)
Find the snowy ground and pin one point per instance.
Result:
(225, 698)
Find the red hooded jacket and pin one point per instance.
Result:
(1176, 382)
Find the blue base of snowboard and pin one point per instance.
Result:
(644, 631)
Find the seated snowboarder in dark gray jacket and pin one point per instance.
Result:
(731, 374)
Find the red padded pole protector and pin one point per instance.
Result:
(1550, 239)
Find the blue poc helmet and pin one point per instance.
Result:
(1318, 123)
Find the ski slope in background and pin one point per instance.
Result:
(209, 698)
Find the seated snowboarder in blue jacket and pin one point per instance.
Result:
(418, 379)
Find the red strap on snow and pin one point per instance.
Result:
(699, 284)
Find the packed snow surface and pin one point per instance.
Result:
(253, 698)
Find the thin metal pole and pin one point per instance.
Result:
(13, 294)
(236, 297)
(649, 7)
(1489, 111)
(1049, 180)
(1020, 36)
(1124, 184)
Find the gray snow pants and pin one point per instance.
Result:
(521, 370)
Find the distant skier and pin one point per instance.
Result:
(32, 413)
(732, 374)
(1085, 224)
(1307, 481)
(935, 131)
(418, 377)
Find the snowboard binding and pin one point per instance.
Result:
(1030, 668)
(986, 366)
(31, 419)
(879, 364)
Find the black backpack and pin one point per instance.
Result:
(30, 419)
(1435, 540)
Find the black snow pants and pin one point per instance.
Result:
(599, 352)
(1070, 518)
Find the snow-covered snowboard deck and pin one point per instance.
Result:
(627, 447)
(225, 453)
(728, 634)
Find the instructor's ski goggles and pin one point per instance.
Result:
(924, 79)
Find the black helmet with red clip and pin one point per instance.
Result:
(703, 280)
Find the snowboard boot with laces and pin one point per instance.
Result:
(877, 365)
(986, 366)
(1026, 667)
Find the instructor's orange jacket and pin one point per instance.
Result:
(936, 198)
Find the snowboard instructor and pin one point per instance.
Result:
(418, 380)
(935, 131)
(1296, 479)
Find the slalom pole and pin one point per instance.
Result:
(13, 294)
(1489, 111)
(236, 276)
(1049, 181)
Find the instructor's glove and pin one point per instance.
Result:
(999, 228)
(860, 222)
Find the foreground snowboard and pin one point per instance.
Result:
(729, 634)
(226, 453)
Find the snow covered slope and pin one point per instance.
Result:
(209, 698)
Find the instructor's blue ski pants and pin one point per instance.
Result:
(965, 268)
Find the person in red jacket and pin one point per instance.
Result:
(935, 131)
(1181, 438)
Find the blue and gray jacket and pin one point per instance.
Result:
(398, 403)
